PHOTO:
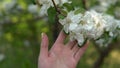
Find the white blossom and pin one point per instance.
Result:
(117, 12)
(2, 57)
(77, 36)
(111, 23)
(100, 42)
(94, 24)
(46, 4)
(104, 42)
(104, 5)
(107, 3)
(71, 21)
(118, 21)
(99, 8)
(111, 34)
(33, 8)
(9, 5)
(90, 25)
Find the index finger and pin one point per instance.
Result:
(61, 37)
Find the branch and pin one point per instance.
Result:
(37, 2)
(56, 7)
(84, 4)
(56, 27)
(104, 53)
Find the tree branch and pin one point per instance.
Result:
(84, 4)
(56, 7)
(104, 53)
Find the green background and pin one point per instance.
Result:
(20, 36)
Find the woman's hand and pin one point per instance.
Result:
(60, 55)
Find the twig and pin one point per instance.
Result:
(37, 2)
(84, 4)
(56, 7)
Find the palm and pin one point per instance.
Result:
(60, 55)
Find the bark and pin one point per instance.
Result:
(56, 28)
(84, 4)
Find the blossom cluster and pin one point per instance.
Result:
(46, 4)
(104, 5)
(90, 25)
(87, 25)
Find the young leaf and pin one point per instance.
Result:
(51, 14)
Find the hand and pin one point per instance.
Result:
(60, 55)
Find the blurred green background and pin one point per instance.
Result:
(20, 35)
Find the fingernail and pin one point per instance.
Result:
(88, 41)
(42, 35)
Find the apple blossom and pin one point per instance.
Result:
(2, 57)
(70, 22)
(90, 25)
(46, 4)
(33, 8)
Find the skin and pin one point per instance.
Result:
(60, 55)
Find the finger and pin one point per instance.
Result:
(61, 37)
(44, 45)
(75, 49)
(71, 44)
(81, 52)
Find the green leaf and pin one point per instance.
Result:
(63, 13)
(80, 10)
(51, 14)
(68, 6)
(61, 16)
